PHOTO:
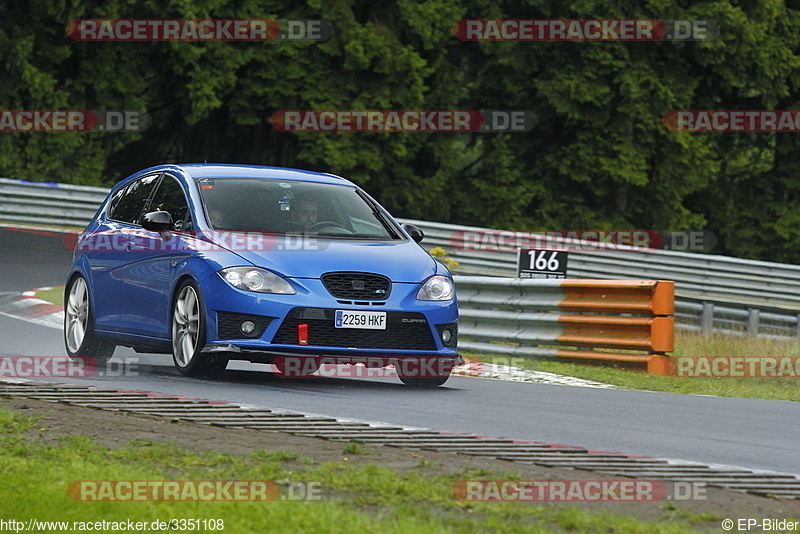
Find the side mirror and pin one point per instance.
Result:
(157, 221)
(413, 232)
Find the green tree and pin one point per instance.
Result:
(600, 156)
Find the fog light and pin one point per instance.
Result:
(447, 335)
(248, 327)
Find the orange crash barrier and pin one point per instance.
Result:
(628, 321)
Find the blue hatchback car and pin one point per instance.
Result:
(218, 262)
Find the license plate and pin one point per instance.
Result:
(360, 319)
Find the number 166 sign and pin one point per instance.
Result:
(542, 264)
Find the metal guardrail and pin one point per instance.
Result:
(714, 293)
(629, 321)
(49, 203)
(705, 276)
(698, 315)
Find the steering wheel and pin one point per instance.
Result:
(324, 224)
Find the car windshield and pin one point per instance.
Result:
(292, 207)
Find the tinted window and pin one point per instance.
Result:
(115, 201)
(170, 198)
(130, 206)
(292, 207)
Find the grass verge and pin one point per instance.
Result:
(363, 498)
(54, 295)
(687, 344)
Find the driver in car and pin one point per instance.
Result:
(306, 213)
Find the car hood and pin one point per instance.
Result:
(400, 262)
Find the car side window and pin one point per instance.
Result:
(130, 205)
(170, 198)
(115, 202)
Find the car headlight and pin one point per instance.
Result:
(437, 288)
(258, 280)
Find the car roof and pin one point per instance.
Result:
(222, 170)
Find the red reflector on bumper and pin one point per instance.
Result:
(302, 334)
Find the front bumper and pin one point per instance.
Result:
(368, 358)
(414, 328)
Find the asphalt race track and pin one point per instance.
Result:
(755, 434)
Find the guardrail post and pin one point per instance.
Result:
(752, 322)
(707, 318)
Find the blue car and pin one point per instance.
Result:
(211, 263)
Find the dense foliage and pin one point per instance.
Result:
(600, 156)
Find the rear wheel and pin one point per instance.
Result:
(79, 337)
(189, 335)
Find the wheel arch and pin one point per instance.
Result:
(179, 281)
(74, 273)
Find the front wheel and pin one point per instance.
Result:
(79, 337)
(423, 374)
(188, 335)
(423, 383)
(296, 366)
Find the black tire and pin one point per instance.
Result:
(308, 367)
(79, 337)
(424, 383)
(409, 374)
(215, 364)
(189, 334)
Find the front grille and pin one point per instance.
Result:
(229, 325)
(404, 331)
(357, 286)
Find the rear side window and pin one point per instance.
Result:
(115, 202)
(129, 207)
(170, 198)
